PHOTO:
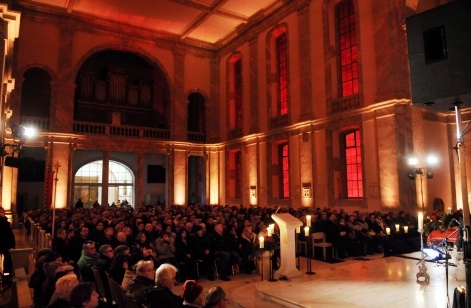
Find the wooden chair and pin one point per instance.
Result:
(117, 293)
(318, 240)
(102, 286)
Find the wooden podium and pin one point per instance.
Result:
(287, 224)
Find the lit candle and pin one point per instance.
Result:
(406, 229)
(298, 230)
(308, 220)
(388, 231)
(449, 210)
(306, 231)
(397, 228)
(262, 242)
(272, 227)
(269, 231)
(420, 219)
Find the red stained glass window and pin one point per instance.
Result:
(238, 93)
(282, 63)
(353, 165)
(284, 178)
(347, 48)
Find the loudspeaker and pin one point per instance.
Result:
(440, 56)
(13, 162)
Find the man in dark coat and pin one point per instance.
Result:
(8, 241)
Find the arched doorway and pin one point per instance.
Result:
(88, 183)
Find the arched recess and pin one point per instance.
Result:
(196, 113)
(88, 183)
(122, 88)
(36, 93)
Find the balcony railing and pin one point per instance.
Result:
(196, 137)
(40, 124)
(122, 131)
(279, 121)
(345, 103)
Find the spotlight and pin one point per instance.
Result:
(20, 131)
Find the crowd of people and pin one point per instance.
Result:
(149, 250)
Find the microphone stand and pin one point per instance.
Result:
(444, 243)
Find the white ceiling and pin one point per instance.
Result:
(206, 20)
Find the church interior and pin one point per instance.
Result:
(303, 105)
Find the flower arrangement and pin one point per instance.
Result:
(440, 221)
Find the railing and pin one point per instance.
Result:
(121, 130)
(345, 103)
(41, 124)
(196, 137)
(279, 121)
(35, 236)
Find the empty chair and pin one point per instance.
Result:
(318, 240)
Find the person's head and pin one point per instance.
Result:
(64, 286)
(84, 231)
(165, 275)
(145, 269)
(148, 227)
(192, 292)
(62, 233)
(89, 247)
(122, 249)
(2, 212)
(216, 297)
(84, 295)
(106, 251)
(121, 237)
(219, 228)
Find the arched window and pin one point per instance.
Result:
(88, 183)
(196, 113)
(36, 93)
(235, 92)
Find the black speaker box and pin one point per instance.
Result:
(440, 56)
(13, 162)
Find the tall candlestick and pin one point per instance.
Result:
(262, 242)
(306, 231)
(420, 219)
(308, 220)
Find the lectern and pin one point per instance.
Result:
(287, 224)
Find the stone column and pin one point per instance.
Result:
(105, 178)
(305, 61)
(139, 197)
(254, 103)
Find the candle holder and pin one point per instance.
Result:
(309, 266)
(271, 278)
(422, 267)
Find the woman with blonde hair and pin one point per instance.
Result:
(64, 285)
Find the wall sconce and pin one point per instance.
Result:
(306, 190)
(253, 191)
(19, 133)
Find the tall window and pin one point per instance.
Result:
(353, 169)
(282, 67)
(238, 93)
(283, 150)
(348, 48)
(238, 174)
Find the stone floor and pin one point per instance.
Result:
(374, 281)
